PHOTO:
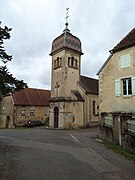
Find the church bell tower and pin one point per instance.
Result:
(66, 61)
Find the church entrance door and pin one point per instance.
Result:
(56, 117)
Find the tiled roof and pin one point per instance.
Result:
(90, 85)
(77, 95)
(31, 97)
(66, 40)
(126, 42)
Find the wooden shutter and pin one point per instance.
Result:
(117, 87)
(125, 60)
(133, 85)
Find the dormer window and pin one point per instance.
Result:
(57, 63)
(72, 62)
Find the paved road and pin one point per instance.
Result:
(42, 154)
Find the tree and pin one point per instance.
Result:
(8, 83)
(4, 34)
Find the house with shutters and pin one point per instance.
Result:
(117, 94)
(24, 105)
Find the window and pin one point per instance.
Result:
(32, 111)
(75, 62)
(23, 110)
(69, 61)
(125, 86)
(57, 63)
(72, 62)
(125, 60)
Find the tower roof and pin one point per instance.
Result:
(66, 41)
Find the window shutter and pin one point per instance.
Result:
(117, 87)
(125, 60)
(122, 62)
(133, 85)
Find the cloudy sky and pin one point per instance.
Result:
(99, 24)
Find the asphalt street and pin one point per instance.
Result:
(43, 154)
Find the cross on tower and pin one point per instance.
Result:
(56, 87)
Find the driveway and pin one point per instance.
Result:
(39, 153)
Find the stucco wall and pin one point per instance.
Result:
(112, 71)
(64, 75)
(41, 113)
(89, 117)
(7, 110)
(70, 114)
(94, 117)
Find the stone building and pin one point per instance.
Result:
(74, 98)
(117, 94)
(24, 105)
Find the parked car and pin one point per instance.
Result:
(35, 123)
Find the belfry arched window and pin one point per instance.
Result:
(72, 62)
(57, 63)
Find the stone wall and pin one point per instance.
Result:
(118, 132)
(70, 114)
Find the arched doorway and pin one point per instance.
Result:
(7, 121)
(56, 117)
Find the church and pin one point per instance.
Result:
(74, 98)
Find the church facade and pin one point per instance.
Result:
(74, 98)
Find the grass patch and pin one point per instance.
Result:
(128, 154)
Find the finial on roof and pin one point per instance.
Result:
(67, 16)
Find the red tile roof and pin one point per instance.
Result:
(126, 42)
(90, 85)
(32, 97)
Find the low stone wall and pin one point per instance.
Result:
(114, 127)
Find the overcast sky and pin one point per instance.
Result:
(99, 24)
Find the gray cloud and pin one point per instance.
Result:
(100, 25)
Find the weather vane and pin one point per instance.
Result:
(67, 16)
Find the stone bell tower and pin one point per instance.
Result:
(66, 61)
